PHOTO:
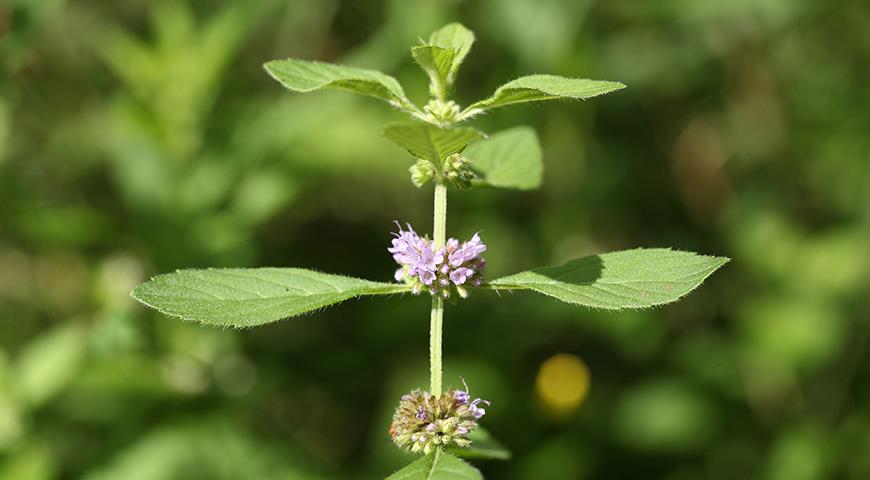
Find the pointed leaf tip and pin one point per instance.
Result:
(246, 297)
(309, 76)
(637, 278)
(534, 88)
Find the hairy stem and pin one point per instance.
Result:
(439, 233)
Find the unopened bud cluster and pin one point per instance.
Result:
(456, 171)
(451, 267)
(442, 111)
(423, 422)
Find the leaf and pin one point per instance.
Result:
(307, 76)
(437, 466)
(456, 37)
(637, 278)
(508, 159)
(483, 447)
(437, 62)
(442, 56)
(245, 297)
(430, 142)
(542, 87)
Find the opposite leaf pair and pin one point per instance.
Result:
(246, 297)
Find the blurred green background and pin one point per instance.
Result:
(138, 137)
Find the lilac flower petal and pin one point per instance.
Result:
(460, 275)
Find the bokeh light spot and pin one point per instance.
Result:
(562, 383)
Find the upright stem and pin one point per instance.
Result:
(439, 233)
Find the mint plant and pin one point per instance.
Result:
(441, 424)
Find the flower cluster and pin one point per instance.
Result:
(453, 265)
(423, 421)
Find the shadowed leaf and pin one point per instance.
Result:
(430, 142)
(637, 278)
(483, 447)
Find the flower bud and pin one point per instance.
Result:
(422, 172)
(423, 422)
(457, 171)
(442, 111)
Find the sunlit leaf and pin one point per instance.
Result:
(483, 447)
(637, 278)
(437, 466)
(533, 88)
(245, 297)
(456, 37)
(307, 76)
(430, 142)
(508, 159)
(442, 56)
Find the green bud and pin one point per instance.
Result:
(442, 111)
(457, 171)
(422, 172)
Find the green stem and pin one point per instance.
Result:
(439, 233)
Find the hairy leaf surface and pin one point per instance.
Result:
(629, 279)
(442, 56)
(309, 76)
(245, 297)
(430, 142)
(437, 466)
(533, 88)
(508, 159)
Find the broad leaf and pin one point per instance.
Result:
(430, 142)
(508, 159)
(442, 56)
(245, 297)
(629, 279)
(437, 466)
(307, 76)
(456, 37)
(483, 447)
(543, 87)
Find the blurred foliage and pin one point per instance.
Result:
(138, 137)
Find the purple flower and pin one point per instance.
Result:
(468, 252)
(453, 265)
(421, 414)
(462, 397)
(476, 411)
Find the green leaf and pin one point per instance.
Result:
(533, 88)
(483, 447)
(629, 279)
(437, 62)
(442, 56)
(430, 142)
(307, 76)
(456, 37)
(437, 466)
(508, 159)
(245, 297)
